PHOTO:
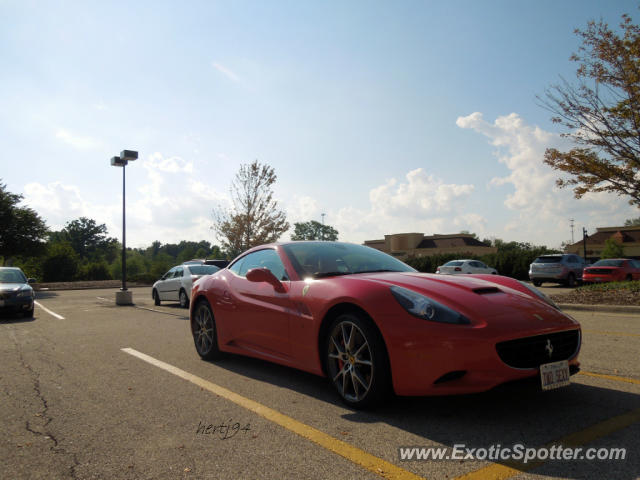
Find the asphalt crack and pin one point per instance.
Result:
(40, 427)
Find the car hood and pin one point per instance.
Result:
(475, 298)
(10, 287)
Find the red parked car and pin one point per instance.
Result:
(373, 324)
(612, 270)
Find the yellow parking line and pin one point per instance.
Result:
(498, 471)
(611, 377)
(359, 457)
(622, 334)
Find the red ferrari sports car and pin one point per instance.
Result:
(373, 324)
(612, 270)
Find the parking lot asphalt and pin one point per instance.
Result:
(93, 390)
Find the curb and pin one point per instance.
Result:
(630, 309)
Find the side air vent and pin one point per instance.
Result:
(487, 290)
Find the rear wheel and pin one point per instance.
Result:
(184, 300)
(156, 297)
(537, 283)
(203, 328)
(356, 361)
(571, 280)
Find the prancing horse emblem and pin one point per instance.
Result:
(549, 347)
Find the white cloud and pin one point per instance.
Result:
(422, 194)
(77, 141)
(543, 210)
(421, 203)
(226, 71)
(170, 206)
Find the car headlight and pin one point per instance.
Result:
(27, 292)
(427, 308)
(540, 295)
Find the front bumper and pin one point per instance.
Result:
(453, 359)
(14, 303)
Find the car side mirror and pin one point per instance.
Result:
(259, 275)
(31, 280)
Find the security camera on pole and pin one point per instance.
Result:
(124, 296)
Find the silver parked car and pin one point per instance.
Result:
(175, 285)
(560, 268)
(16, 295)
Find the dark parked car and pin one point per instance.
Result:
(16, 295)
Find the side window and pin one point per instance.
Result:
(235, 268)
(264, 259)
(170, 273)
(179, 272)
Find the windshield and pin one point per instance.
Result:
(12, 276)
(203, 269)
(547, 260)
(608, 263)
(325, 259)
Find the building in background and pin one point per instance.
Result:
(628, 237)
(403, 245)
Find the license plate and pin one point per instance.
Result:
(554, 375)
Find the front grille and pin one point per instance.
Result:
(531, 352)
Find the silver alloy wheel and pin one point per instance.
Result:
(203, 330)
(350, 361)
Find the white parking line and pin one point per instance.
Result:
(54, 314)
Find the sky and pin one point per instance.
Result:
(388, 117)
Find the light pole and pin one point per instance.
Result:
(124, 297)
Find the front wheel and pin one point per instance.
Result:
(537, 283)
(184, 300)
(156, 297)
(203, 328)
(356, 361)
(571, 280)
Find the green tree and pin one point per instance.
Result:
(87, 238)
(22, 231)
(60, 264)
(632, 222)
(313, 231)
(254, 217)
(601, 113)
(612, 249)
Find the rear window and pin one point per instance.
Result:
(547, 260)
(203, 269)
(608, 263)
(453, 263)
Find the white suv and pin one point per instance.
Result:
(562, 268)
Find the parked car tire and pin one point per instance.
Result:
(360, 371)
(156, 297)
(537, 283)
(184, 299)
(205, 334)
(571, 280)
(28, 313)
